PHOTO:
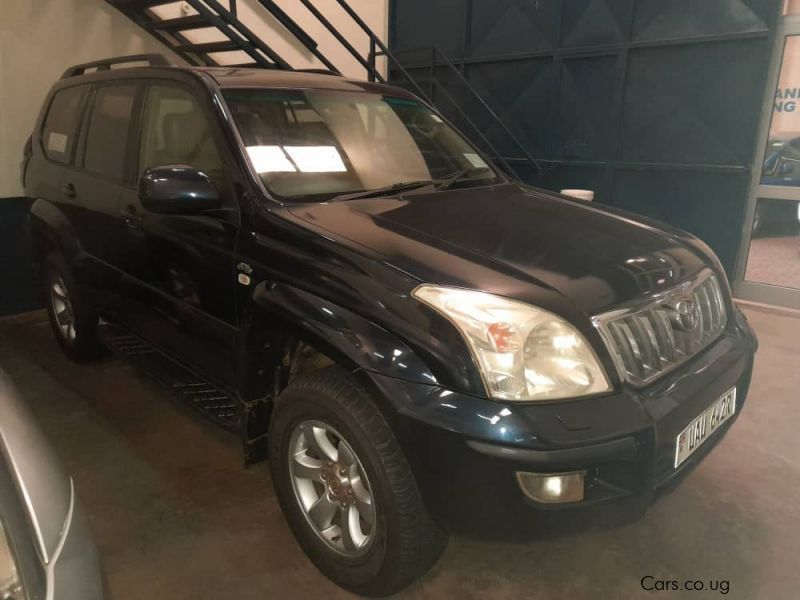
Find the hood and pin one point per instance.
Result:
(596, 257)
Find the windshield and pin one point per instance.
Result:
(313, 145)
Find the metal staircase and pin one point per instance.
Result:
(239, 38)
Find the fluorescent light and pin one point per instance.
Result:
(270, 159)
(316, 159)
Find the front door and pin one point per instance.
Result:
(179, 288)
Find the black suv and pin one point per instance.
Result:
(331, 269)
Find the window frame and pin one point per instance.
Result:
(78, 125)
(80, 159)
(213, 124)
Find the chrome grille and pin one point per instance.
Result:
(647, 341)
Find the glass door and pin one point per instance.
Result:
(769, 265)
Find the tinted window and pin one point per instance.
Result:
(176, 131)
(61, 124)
(107, 136)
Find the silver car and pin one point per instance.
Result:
(45, 549)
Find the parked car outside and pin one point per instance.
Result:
(46, 551)
(328, 267)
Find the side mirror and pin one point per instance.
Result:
(177, 190)
(785, 167)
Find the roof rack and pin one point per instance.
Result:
(320, 72)
(154, 60)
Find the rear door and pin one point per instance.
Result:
(179, 289)
(94, 184)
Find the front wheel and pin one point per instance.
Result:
(345, 487)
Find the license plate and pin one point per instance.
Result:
(699, 430)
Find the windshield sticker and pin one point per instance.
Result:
(57, 142)
(476, 160)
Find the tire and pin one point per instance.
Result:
(402, 541)
(757, 220)
(74, 327)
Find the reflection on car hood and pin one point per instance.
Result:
(597, 257)
(43, 486)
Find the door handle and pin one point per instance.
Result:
(68, 190)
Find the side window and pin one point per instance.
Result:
(107, 135)
(176, 131)
(61, 124)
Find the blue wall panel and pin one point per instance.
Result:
(17, 283)
(687, 103)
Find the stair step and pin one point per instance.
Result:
(203, 396)
(210, 47)
(145, 4)
(250, 65)
(181, 24)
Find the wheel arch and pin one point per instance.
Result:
(50, 230)
(287, 331)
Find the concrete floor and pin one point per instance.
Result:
(176, 516)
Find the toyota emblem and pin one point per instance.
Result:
(686, 314)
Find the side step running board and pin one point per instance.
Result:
(216, 404)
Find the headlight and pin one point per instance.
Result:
(524, 353)
(10, 584)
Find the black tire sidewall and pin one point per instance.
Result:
(350, 573)
(84, 345)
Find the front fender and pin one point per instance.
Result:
(279, 316)
(342, 334)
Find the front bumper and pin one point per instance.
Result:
(465, 451)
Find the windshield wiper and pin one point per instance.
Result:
(446, 182)
(403, 186)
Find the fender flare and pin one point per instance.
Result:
(50, 229)
(276, 319)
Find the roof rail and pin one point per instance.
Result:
(154, 60)
(320, 72)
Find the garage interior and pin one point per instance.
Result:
(601, 95)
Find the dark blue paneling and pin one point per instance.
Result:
(670, 19)
(595, 22)
(585, 127)
(514, 26)
(17, 290)
(523, 93)
(439, 23)
(691, 103)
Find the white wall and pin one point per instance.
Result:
(41, 38)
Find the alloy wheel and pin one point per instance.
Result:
(62, 309)
(332, 488)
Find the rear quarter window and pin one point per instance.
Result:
(60, 129)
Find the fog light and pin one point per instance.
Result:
(552, 487)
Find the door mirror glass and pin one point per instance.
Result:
(177, 190)
(786, 167)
